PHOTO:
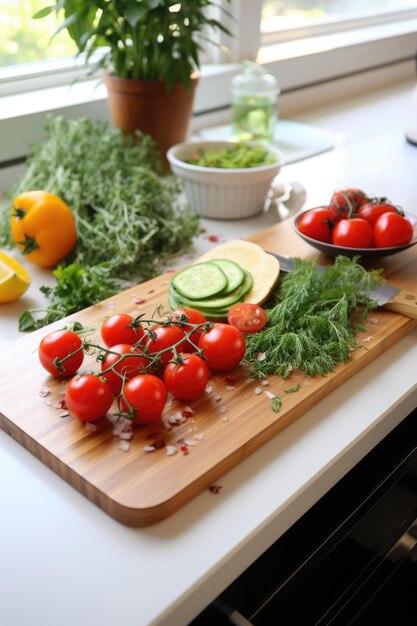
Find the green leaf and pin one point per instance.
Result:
(27, 322)
(135, 13)
(43, 12)
(293, 389)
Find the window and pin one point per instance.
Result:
(25, 40)
(284, 19)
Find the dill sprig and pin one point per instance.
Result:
(314, 322)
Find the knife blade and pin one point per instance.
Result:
(387, 296)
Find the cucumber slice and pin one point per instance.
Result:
(212, 315)
(201, 280)
(217, 302)
(234, 273)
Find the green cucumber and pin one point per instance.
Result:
(215, 302)
(213, 314)
(201, 280)
(234, 273)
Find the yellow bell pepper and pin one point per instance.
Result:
(43, 227)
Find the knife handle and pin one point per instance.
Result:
(405, 303)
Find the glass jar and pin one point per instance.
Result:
(254, 104)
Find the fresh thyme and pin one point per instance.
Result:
(124, 211)
(313, 325)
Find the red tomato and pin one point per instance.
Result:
(370, 211)
(392, 230)
(345, 202)
(146, 395)
(191, 316)
(353, 233)
(316, 224)
(57, 346)
(165, 337)
(247, 317)
(224, 346)
(128, 368)
(121, 328)
(88, 397)
(187, 380)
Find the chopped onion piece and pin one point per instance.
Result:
(171, 450)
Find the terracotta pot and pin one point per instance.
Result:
(145, 105)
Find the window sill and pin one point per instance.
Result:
(321, 64)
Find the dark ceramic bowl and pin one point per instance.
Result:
(366, 254)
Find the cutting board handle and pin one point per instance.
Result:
(405, 303)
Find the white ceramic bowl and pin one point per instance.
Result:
(221, 193)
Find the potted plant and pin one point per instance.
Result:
(150, 54)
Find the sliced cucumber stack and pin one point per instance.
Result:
(212, 287)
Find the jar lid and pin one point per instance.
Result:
(254, 80)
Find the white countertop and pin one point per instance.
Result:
(63, 561)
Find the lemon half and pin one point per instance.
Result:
(14, 279)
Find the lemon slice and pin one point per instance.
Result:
(14, 279)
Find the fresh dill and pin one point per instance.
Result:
(313, 325)
(276, 404)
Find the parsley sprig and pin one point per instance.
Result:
(76, 288)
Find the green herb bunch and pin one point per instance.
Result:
(239, 155)
(76, 289)
(141, 39)
(314, 322)
(124, 212)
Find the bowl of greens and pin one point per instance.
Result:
(225, 180)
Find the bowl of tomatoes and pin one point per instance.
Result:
(356, 224)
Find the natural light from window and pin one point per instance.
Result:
(278, 15)
(25, 40)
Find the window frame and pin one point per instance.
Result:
(387, 49)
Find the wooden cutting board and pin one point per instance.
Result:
(232, 420)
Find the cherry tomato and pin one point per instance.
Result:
(247, 317)
(224, 346)
(121, 328)
(353, 233)
(58, 345)
(146, 395)
(187, 380)
(165, 337)
(345, 203)
(88, 397)
(192, 316)
(392, 230)
(370, 211)
(316, 224)
(128, 367)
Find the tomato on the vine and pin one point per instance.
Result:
(121, 328)
(247, 317)
(186, 315)
(163, 337)
(88, 397)
(144, 397)
(316, 223)
(353, 233)
(392, 229)
(370, 211)
(128, 367)
(345, 202)
(58, 345)
(188, 379)
(224, 346)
